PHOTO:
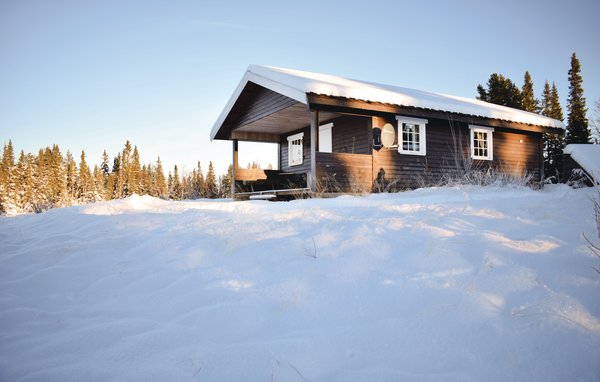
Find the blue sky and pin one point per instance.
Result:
(92, 74)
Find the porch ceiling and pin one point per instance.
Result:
(294, 117)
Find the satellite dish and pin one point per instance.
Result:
(388, 135)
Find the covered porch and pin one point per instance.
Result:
(324, 161)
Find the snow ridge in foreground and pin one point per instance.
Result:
(450, 284)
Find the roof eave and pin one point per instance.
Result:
(331, 103)
(249, 76)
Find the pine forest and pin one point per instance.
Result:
(35, 183)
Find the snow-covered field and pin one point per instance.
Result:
(450, 284)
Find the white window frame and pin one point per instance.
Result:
(489, 139)
(295, 157)
(326, 138)
(422, 142)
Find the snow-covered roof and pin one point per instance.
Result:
(296, 84)
(588, 157)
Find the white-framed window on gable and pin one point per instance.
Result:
(412, 135)
(295, 149)
(482, 143)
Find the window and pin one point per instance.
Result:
(295, 149)
(481, 142)
(325, 141)
(411, 135)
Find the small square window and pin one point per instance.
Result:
(481, 142)
(411, 135)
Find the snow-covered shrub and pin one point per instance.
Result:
(579, 179)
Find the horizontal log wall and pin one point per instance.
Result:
(351, 135)
(283, 153)
(342, 172)
(393, 171)
(448, 154)
(256, 102)
(517, 153)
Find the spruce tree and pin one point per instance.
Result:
(528, 100)
(175, 188)
(225, 183)
(42, 177)
(104, 165)
(86, 191)
(71, 173)
(577, 123)
(98, 177)
(186, 187)
(126, 169)
(169, 185)
(21, 199)
(545, 101)
(57, 178)
(117, 171)
(210, 182)
(501, 91)
(199, 182)
(135, 173)
(8, 162)
(29, 185)
(7, 186)
(555, 108)
(162, 190)
(145, 181)
(553, 143)
(110, 186)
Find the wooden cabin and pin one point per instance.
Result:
(341, 135)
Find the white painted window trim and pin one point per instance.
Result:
(292, 161)
(422, 135)
(326, 127)
(489, 139)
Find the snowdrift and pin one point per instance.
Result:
(450, 284)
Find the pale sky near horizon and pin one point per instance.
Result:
(92, 74)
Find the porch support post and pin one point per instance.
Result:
(234, 166)
(314, 143)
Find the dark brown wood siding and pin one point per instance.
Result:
(343, 172)
(283, 153)
(351, 135)
(255, 102)
(448, 153)
(517, 153)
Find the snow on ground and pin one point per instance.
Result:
(450, 284)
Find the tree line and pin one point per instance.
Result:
(35, 183)
(502, 91)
